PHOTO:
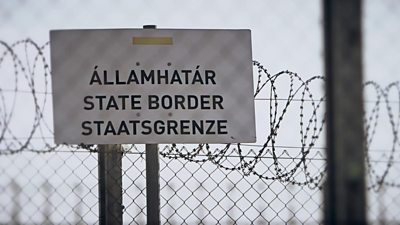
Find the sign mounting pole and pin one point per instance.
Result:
(152, 177)
(110, 184)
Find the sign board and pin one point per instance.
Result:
(152, 86)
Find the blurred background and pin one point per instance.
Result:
(282, 182)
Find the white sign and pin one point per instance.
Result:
(152, 86)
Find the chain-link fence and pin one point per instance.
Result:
(381, 47)
(276, 180)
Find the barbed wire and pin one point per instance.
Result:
(29, 61)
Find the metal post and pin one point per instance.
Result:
(152, 177)
(345, 199)
(152, 184)
(110, 184)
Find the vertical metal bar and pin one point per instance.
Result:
(345, 199)
(152, 184)
(110, 184)
(152, 177)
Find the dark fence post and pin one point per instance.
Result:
(152, 184)
(110, 184)
(345, 200)
(152, 177)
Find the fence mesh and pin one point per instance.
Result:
(381, 47)
(279, 179)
